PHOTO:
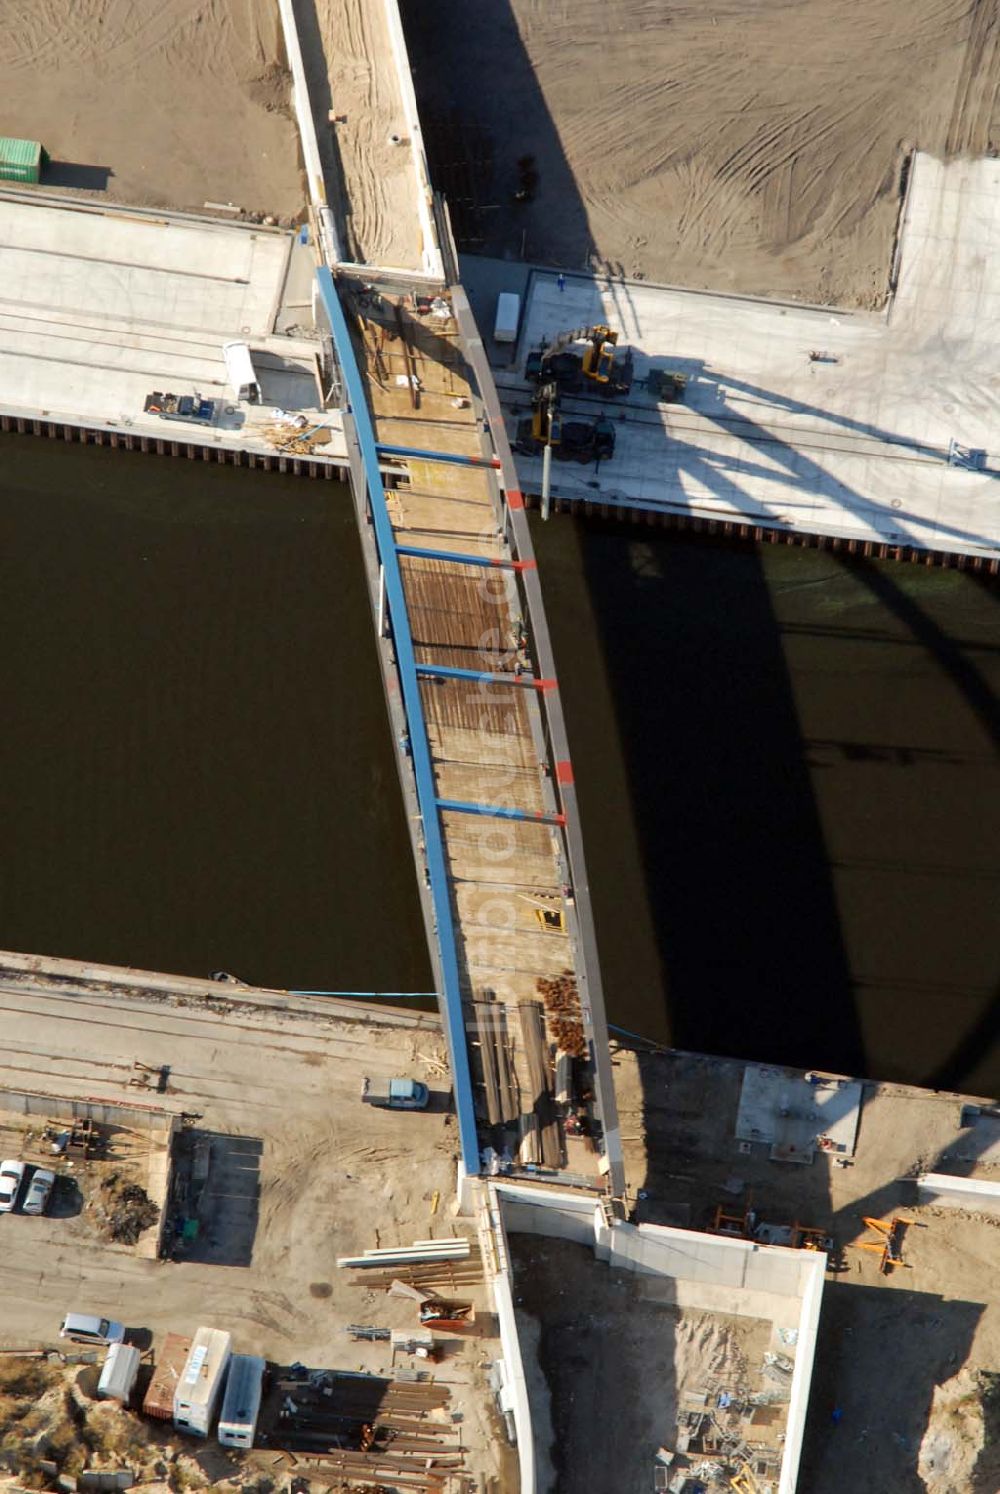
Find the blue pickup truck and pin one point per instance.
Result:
(396, 1094)
(190, 407)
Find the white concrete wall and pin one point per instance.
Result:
(712, 1260)
(707, 1272)
(307, 135)
(517, 1388)
(976, 1195)
(813, 1269)
(548, 1211)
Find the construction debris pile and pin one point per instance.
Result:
(562, 1008)
(294, 435)
(730, 1435)
(124, 1209)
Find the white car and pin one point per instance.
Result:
(36, 1199)
(11, 1178)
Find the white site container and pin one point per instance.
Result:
(240, 372)
(202, 1378)
(241, 1403)
(508, 317)
(119, 1373)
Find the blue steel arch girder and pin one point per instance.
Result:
(557, 783)
(423, 768)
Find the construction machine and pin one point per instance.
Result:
(586, 360)
(568, 440)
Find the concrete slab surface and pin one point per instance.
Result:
(853, 441)
(792, 1112)
(99, 307)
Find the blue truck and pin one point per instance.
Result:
(191, 407)
(396, 1094)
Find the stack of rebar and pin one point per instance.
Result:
(562, 1006)
(373, 1430)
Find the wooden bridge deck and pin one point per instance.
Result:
(507, 878)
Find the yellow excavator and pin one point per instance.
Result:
(586, 359)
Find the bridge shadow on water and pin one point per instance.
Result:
(743, 907)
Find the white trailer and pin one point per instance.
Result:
(508, 317)
(241, 1404)
(202, 1378)
(119, 1373)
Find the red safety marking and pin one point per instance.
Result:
(524, 565)
(514, 498)
(546, 684)
(564, 771)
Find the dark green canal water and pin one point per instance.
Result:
(788, 772)
(787, 764)
(195, 764)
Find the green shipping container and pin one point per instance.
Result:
(21, 160)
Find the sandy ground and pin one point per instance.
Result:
(937, 1320)
(750, 145)
(161, 104)
(349, 69)
(301, 1172)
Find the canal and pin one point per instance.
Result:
(195, 764)
(788, 771)
(787, 764)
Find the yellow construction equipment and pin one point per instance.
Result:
(586, 358)
(737, 1226)
(599, 354)
(890, 1244)
(745, 1481)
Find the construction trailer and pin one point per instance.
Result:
(241, 1403)
(158, 1401)
(202, 1379)
(119, 1373)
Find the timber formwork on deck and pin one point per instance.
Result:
(498, 813)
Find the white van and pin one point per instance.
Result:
(508, 317)
(240, 372)
(120, 1372)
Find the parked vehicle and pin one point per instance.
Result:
(396, 1094)
(241, 373)
(241, 1403)
(191, 407)
(11, 1178)
(508, 317)
(87, 1328)
(119, 1373)
(36, 1200)
(202, 1379)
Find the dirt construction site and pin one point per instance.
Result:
(278, 1170)
(905, 1389)
(746, 145)
(169, 106)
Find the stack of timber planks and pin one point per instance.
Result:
(540, 1139)
(503, 1104)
